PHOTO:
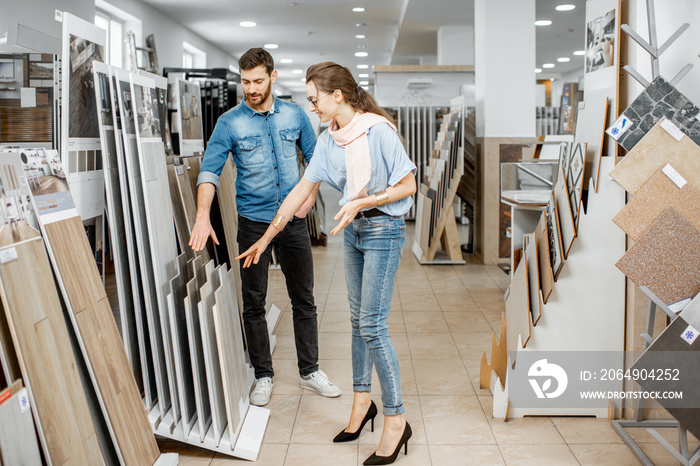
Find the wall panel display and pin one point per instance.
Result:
(83, 43)
(189, 110)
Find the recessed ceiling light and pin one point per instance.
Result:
(563, 59)
(361, 54)
(271, 46)
(365, 88)
(362, 67)
(543, 22)
(297, 71)
(359, 25)
(565, 7)
(358, 9)
(548, 65)
(364, 83)
(247, 24)
(360, 36)
(286, 60)
(303, 80)
(580, 52)
(538, 70)
(363, 75)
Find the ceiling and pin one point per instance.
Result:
(397, 31)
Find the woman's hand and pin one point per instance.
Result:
(252, 255)
(348, 213)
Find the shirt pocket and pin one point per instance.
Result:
(289, 141)
(250, 150)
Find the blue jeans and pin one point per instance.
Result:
(373, 248)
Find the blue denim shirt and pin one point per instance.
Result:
(264, 151)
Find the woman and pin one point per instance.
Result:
(361, 156)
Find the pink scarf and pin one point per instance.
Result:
(357, 160)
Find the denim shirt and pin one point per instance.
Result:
(264, 151)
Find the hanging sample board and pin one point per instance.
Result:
(659, 99)
(137, 281)
(189, 111)
(158, 211)
(663, 144)
(115, 216)
(91, 316)
(83, 43)
(136, 194)
(667, 188)
(34, 315)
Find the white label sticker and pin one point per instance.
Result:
(690, 334)
(676, 177)
(679, 306)
(581, 105)
(23, 398)
(672, 129)
(8, 255)
(179, 170)
(621, 125)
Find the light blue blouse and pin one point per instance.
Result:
(390, 164)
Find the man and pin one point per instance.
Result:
(262, 134)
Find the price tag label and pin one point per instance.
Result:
(8, 255)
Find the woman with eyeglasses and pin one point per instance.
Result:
(360, 155)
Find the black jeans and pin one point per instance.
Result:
(293, 247)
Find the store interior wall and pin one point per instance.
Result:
(39, 14)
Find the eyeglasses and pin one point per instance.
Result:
(314, 101)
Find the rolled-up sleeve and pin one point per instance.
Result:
(219, 145)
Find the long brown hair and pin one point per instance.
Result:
(329, 76)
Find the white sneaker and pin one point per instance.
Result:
(318, 382)
(261, 393)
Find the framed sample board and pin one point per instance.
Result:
(83, 43)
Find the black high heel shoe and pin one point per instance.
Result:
(376, 459)
(349, 436)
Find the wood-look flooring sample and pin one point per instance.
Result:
(105, 354)
(181, 228)
(229, 216)
(533, 280)
(566, 219)
(545, 265)
(652, 153)
(666, 258)
(518, 310)
(48, 365)
(658, 194)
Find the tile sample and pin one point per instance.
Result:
(566, 219)
(658, 100)
(534, 280)
(545, 264)
(666, 258)
(590, 129)
(652, 153)
(657, 194)
(556, 256)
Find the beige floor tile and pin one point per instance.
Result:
(419, 303)
(319, 419)
(442, 377)
(467, 322)
(525, 455)
(396, 321)
(270, 455)
(421, 322)
(413, 415)
(604, 454)
(286, 377)
(473, 345)
(401, 346)
(465, 455)
(283, 413)
(334, 345)
(494, 319)
(586, 430)
(474, 372)
(489, 300)
(335, 322)
(455, 420)
(658, 455)
(321, 455)
(418, 455)
(285, 326)
(432, 346)
(285, 348)
(526, 431)
(408, 379)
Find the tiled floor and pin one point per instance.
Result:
(442, 320)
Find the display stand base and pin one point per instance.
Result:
(246, 447)
(682, 456)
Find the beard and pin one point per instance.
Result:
(265, 95)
